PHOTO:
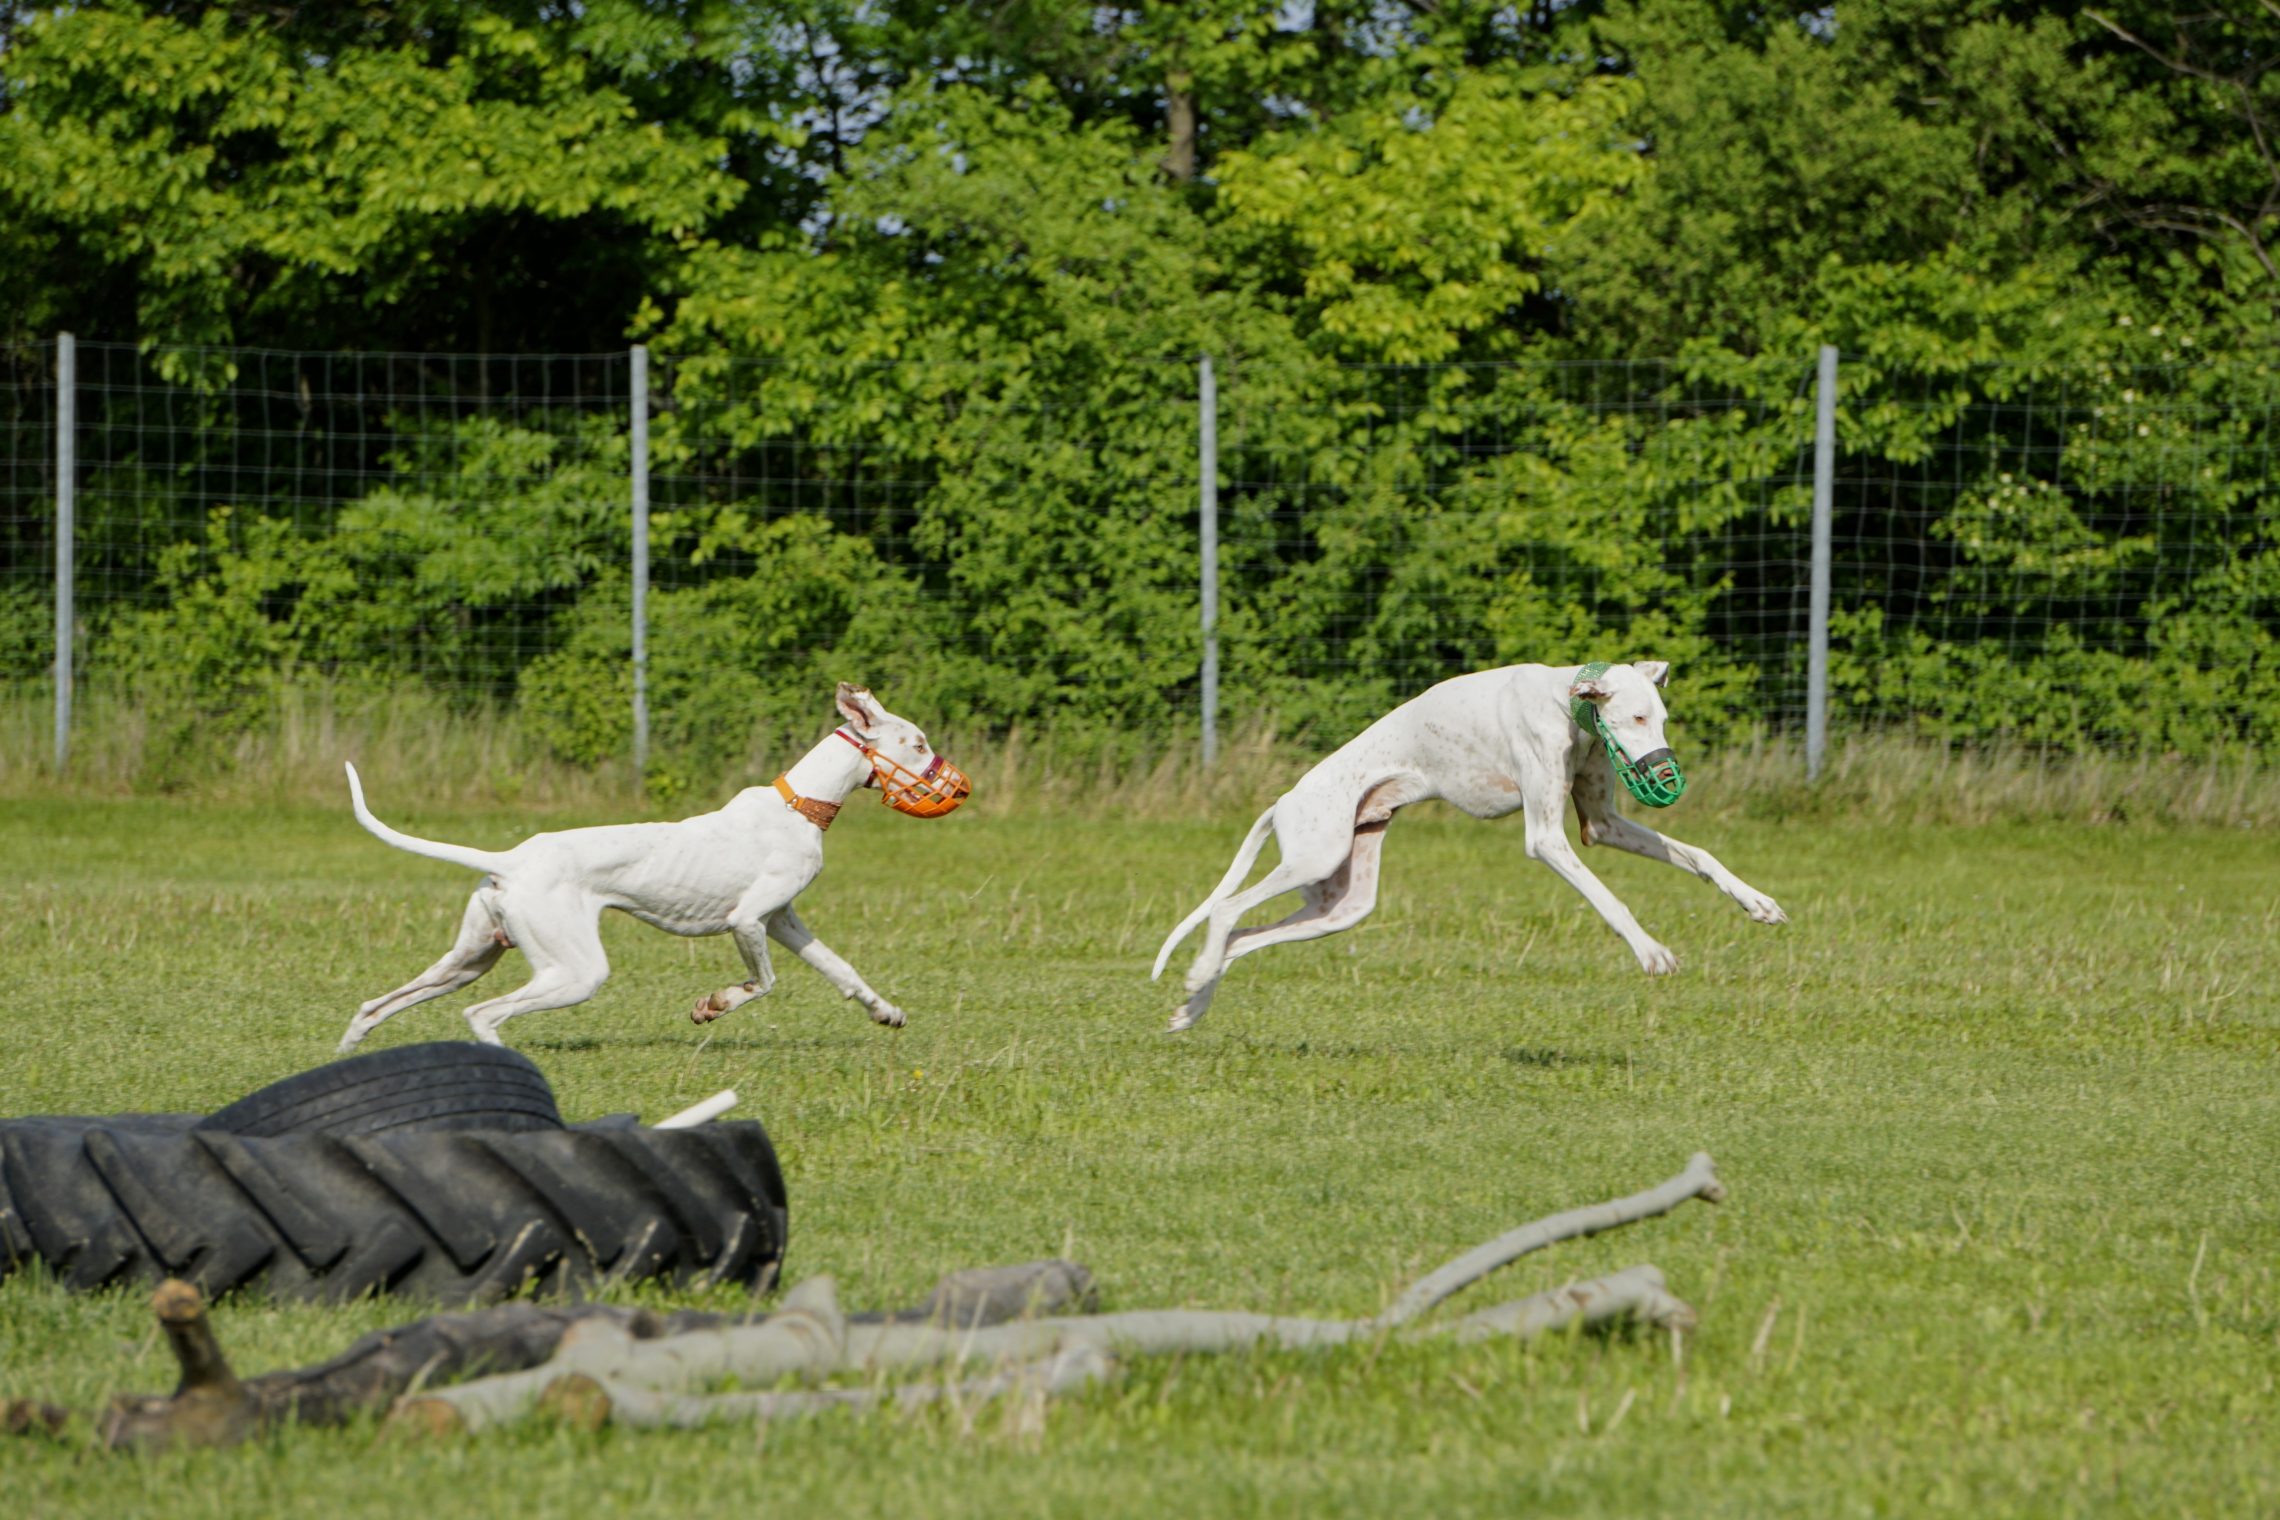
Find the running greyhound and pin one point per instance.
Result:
(734, 871)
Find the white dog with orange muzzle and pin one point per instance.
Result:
(1526, 738)
(734, 871)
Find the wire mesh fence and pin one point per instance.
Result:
(27, 513)
(359, 518)
(1436, 519)
(2079, 558)
(2063, 558)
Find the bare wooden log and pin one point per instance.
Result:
(1635, 1292)
(995, 1295)
(590, 1402)
(1139, 1332)
(1149, 1332)
(441, 1349)
(595, 1368)
(596, 1363)
(373, 1371)
(805, 1336)
(641, 1383)
(1699, 1180)
(588, 1384)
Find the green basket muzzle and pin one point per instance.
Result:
(1654, 779)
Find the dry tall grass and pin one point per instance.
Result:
(414, 745)
(402, 742)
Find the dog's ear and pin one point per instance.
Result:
(1594, 690)
(858, 707)
(1657, 672)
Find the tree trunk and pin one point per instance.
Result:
(1179, 158)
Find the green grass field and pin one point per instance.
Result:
(1999, 1112)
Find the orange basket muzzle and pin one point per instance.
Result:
(929, 795)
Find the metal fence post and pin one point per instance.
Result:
(66, 472)
(1824, 494)
(639, 405)
(1207, 468)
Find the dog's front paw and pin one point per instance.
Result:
(1761, 908)
(887, 1014)
(1655, 959)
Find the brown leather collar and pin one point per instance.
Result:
(818, 813)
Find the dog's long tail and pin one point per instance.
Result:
(457, 854)
(1253, 843)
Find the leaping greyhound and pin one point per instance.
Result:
(1522, 738)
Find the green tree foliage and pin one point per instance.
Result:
(426, 175)
(928, 284)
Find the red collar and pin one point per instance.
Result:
(873, 778)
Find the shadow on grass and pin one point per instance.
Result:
(1545, 1058)
(578, 1044)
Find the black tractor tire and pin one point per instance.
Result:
(444, 1085)
(455, 1216)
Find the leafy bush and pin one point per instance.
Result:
(27, 630)
(739, 666)
(925, 392)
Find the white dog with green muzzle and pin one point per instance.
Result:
(1520, 739)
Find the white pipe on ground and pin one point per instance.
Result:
(703, 1113)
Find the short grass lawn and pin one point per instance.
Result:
(1999, 1110)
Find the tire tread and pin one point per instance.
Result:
(455, 1216)
(410, 1086)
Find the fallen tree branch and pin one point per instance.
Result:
(606, 1375)
(589, 1403)
(1047, 1357)
(1699, 1180)
(380, 1367)
(806, 1335)
(593, 1362)
(1634, 1292)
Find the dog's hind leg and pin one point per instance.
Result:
(1340, 903)
(1314, 847)
(1314, 897)
(1211, 961)
(478, 948)
(563, 942)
